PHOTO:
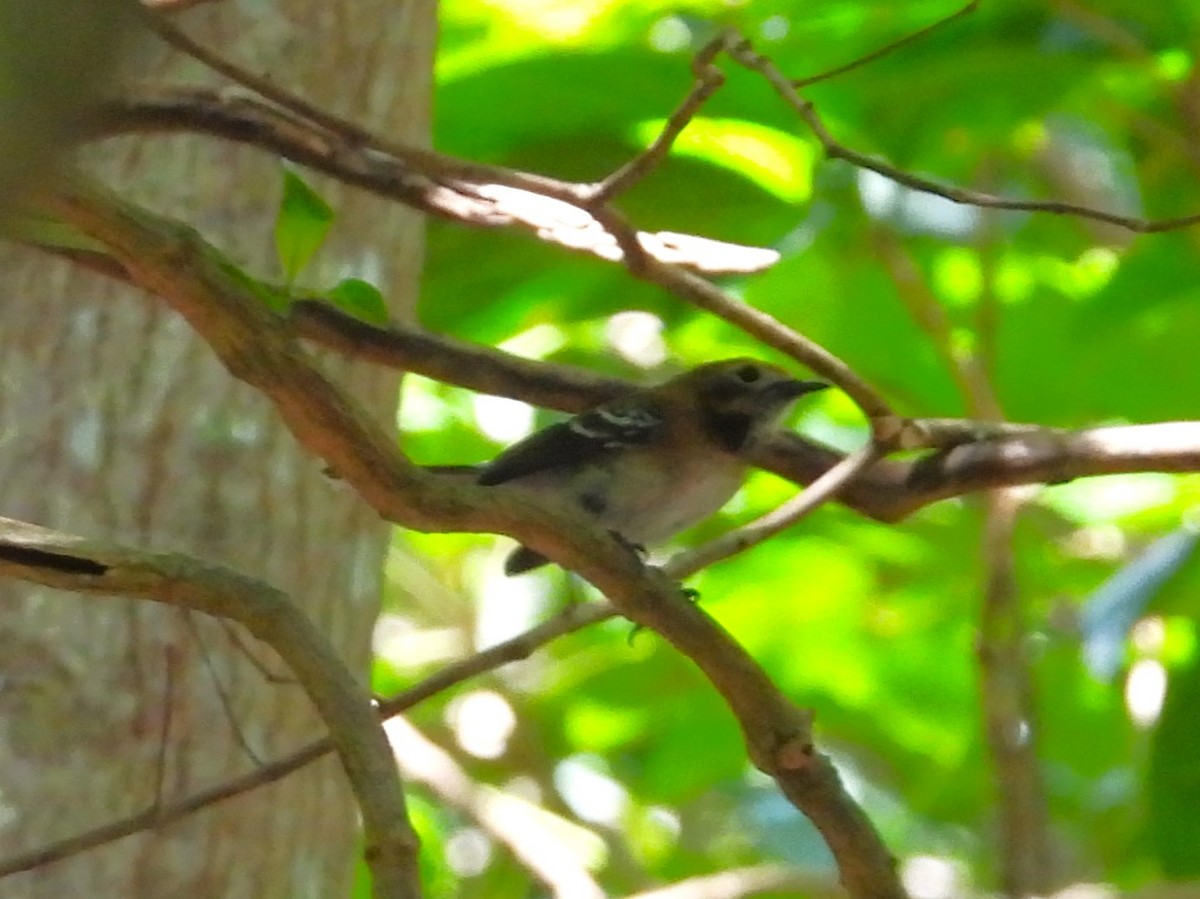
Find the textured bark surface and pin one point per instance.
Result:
(115, 422)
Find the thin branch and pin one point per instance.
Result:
(709, 80)
(67, 562)
(743, 52)
(175, 265)
(705, 295)
(235, 638)
(573, 618)
(737, 541)
(264, 87)
(164, 732)
(973, 456)
(468, 193)
(886, 49)
(222, 693)
(513, 822)
(1008, 706)
(452, 361)
(445, 176)
(741, 883)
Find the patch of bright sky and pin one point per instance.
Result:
(589, 790)
(926, 213)
(502, 419)
(934, 877)
(637, 336)
(1111, 498)
(421, 408)
(776, 161)
(536, 343)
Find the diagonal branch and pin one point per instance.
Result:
(173, 263)
(977, 456)
(573, 618)
(486, 196)
(66, 562)
(887, 49)
(709, 80)
(469, 193)
(741, 50)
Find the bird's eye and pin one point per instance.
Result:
(748, 374)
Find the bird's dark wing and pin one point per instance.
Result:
(574, 442)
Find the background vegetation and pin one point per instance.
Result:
(1066, 323)
(1007, 683)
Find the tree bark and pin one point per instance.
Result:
(116, 422)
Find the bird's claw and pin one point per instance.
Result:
(636, 548)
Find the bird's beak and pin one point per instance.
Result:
(790, 390)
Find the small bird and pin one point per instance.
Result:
(653, 462)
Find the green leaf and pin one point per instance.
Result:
(360, 299)
(301, 226)
(1173, 781)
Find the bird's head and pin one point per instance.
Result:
(737, 398)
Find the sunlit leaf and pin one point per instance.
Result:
(360, 299)
(301, 225)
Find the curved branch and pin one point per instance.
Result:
(976, 456)
(67, 562)
(469, 193)
(173, 263)
(571, 619)
(743, 53)
(981, 456)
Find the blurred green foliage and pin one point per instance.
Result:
(874, 626)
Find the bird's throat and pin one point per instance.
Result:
(729, 430)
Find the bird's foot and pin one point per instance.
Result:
(636, 548)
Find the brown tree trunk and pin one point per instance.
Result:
(117, 423)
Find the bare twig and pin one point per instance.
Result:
(821, 491)
(740, 883)
(972, 456)
(164, 732)
(235, 638)
(569, 620)
(1007, 701)
(70, 563)
(886, 49)
(708, 81)
(172, 263)
(235, 726)
(742, 51)
(465, 192)
(264, 87)
(507, 819)
(772, 332)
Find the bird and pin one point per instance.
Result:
(651, 463)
